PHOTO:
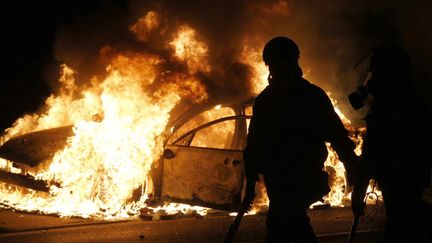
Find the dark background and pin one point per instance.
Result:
(29, 67)
(37, 36)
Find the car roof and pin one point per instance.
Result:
(189, 111)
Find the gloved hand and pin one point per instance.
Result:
(357, 201)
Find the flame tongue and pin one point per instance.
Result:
(117, 126)
(115, 142)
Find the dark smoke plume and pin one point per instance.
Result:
(332, 36)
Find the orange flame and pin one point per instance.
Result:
(188, 49)
(117, 126)
(147, 24)
(253, 57)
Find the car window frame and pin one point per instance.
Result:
(191, 133)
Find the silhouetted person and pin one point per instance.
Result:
(292, 120)
(396, 146)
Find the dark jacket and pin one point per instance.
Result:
(397, 142)
(286, 141)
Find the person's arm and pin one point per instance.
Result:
(337, 135)
(360, 187)
(251, 154)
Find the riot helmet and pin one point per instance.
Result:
(280, 49)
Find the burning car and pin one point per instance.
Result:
(201, 163)
(28, 151)
(111, 145)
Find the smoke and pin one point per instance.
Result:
(333, 36)
(79, 41)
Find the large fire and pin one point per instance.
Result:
(117, 124)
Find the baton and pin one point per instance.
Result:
(233, 228)
(353, 228)
(244, 208)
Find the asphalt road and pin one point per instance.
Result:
(331, 225)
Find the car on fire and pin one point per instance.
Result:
(201, 163)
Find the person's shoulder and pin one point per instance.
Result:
(314, 90)
(264, 95)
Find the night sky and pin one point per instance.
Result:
(30, 49)
(29, 66)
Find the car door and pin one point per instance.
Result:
(204, 166)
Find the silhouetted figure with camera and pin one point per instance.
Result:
(397, 148)
(292, 120)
